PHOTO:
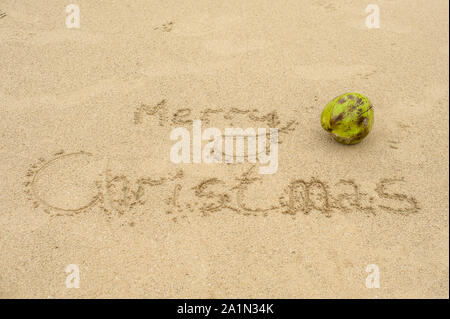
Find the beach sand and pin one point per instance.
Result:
(86, 116)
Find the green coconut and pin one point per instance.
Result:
(348, 118)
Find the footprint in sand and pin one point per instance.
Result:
(325, 5)
(334, 72)
(394, 144)
(165, 27)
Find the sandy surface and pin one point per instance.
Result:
(85, 118)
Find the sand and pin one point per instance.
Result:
(86, 114)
